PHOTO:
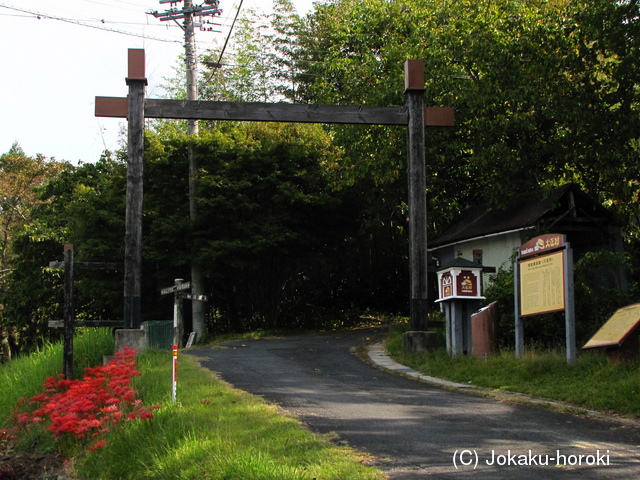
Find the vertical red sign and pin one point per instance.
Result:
(467, 284)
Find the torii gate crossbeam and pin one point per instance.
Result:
(136, 108)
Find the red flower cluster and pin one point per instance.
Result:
(5, 436)
(88, 407)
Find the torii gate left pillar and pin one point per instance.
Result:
(137, 81)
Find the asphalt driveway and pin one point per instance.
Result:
(416, 430)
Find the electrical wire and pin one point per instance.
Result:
(84, 24)
(224, 47)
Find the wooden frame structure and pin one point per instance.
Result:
(69, 323)
(414, 115)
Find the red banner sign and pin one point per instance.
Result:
(467, 284)
(542, 244)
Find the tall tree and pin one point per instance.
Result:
(545, 92)
(20, 176)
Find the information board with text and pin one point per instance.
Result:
(542, 284)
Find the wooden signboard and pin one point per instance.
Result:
(542, 284)
(543, 278)
(617, 329)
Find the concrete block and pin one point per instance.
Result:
(135, 339)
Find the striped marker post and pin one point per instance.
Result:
(175, 373)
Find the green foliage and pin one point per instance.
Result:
(20, 176)
(544, 92)
(268, 218)
(82, 205)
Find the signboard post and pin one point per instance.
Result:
(174, 384)
(178, 321)
(460, 293)
(544, 284)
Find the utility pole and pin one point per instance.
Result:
(189, 12)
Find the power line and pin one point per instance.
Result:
(39, 15)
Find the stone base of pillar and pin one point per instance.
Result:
(136, 339)
(418, 342)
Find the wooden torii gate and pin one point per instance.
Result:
(414, 115)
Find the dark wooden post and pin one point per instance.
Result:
(133, 230)
(178, 314)
(414, 90)
(67, 361)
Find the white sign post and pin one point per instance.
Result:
(178, 323)
(178, 286)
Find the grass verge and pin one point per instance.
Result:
(592, 383)
(213, 432)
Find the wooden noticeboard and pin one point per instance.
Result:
(543, 277)
(542, 284)
(617, 329)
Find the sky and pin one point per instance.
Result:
(56, 56)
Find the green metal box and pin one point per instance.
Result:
(159, 333)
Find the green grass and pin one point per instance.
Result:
(24, 376)
(592, 383)
(213, 432)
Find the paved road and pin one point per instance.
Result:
(416, 430)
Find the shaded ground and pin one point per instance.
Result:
(27, 466)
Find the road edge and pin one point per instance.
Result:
(377, 356)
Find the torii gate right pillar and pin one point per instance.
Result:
(416, 172)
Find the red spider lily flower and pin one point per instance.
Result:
(99, 444)
(88, 406)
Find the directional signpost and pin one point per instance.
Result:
(178, 321)
(179, 294)
(178, 287)
(191, 296)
